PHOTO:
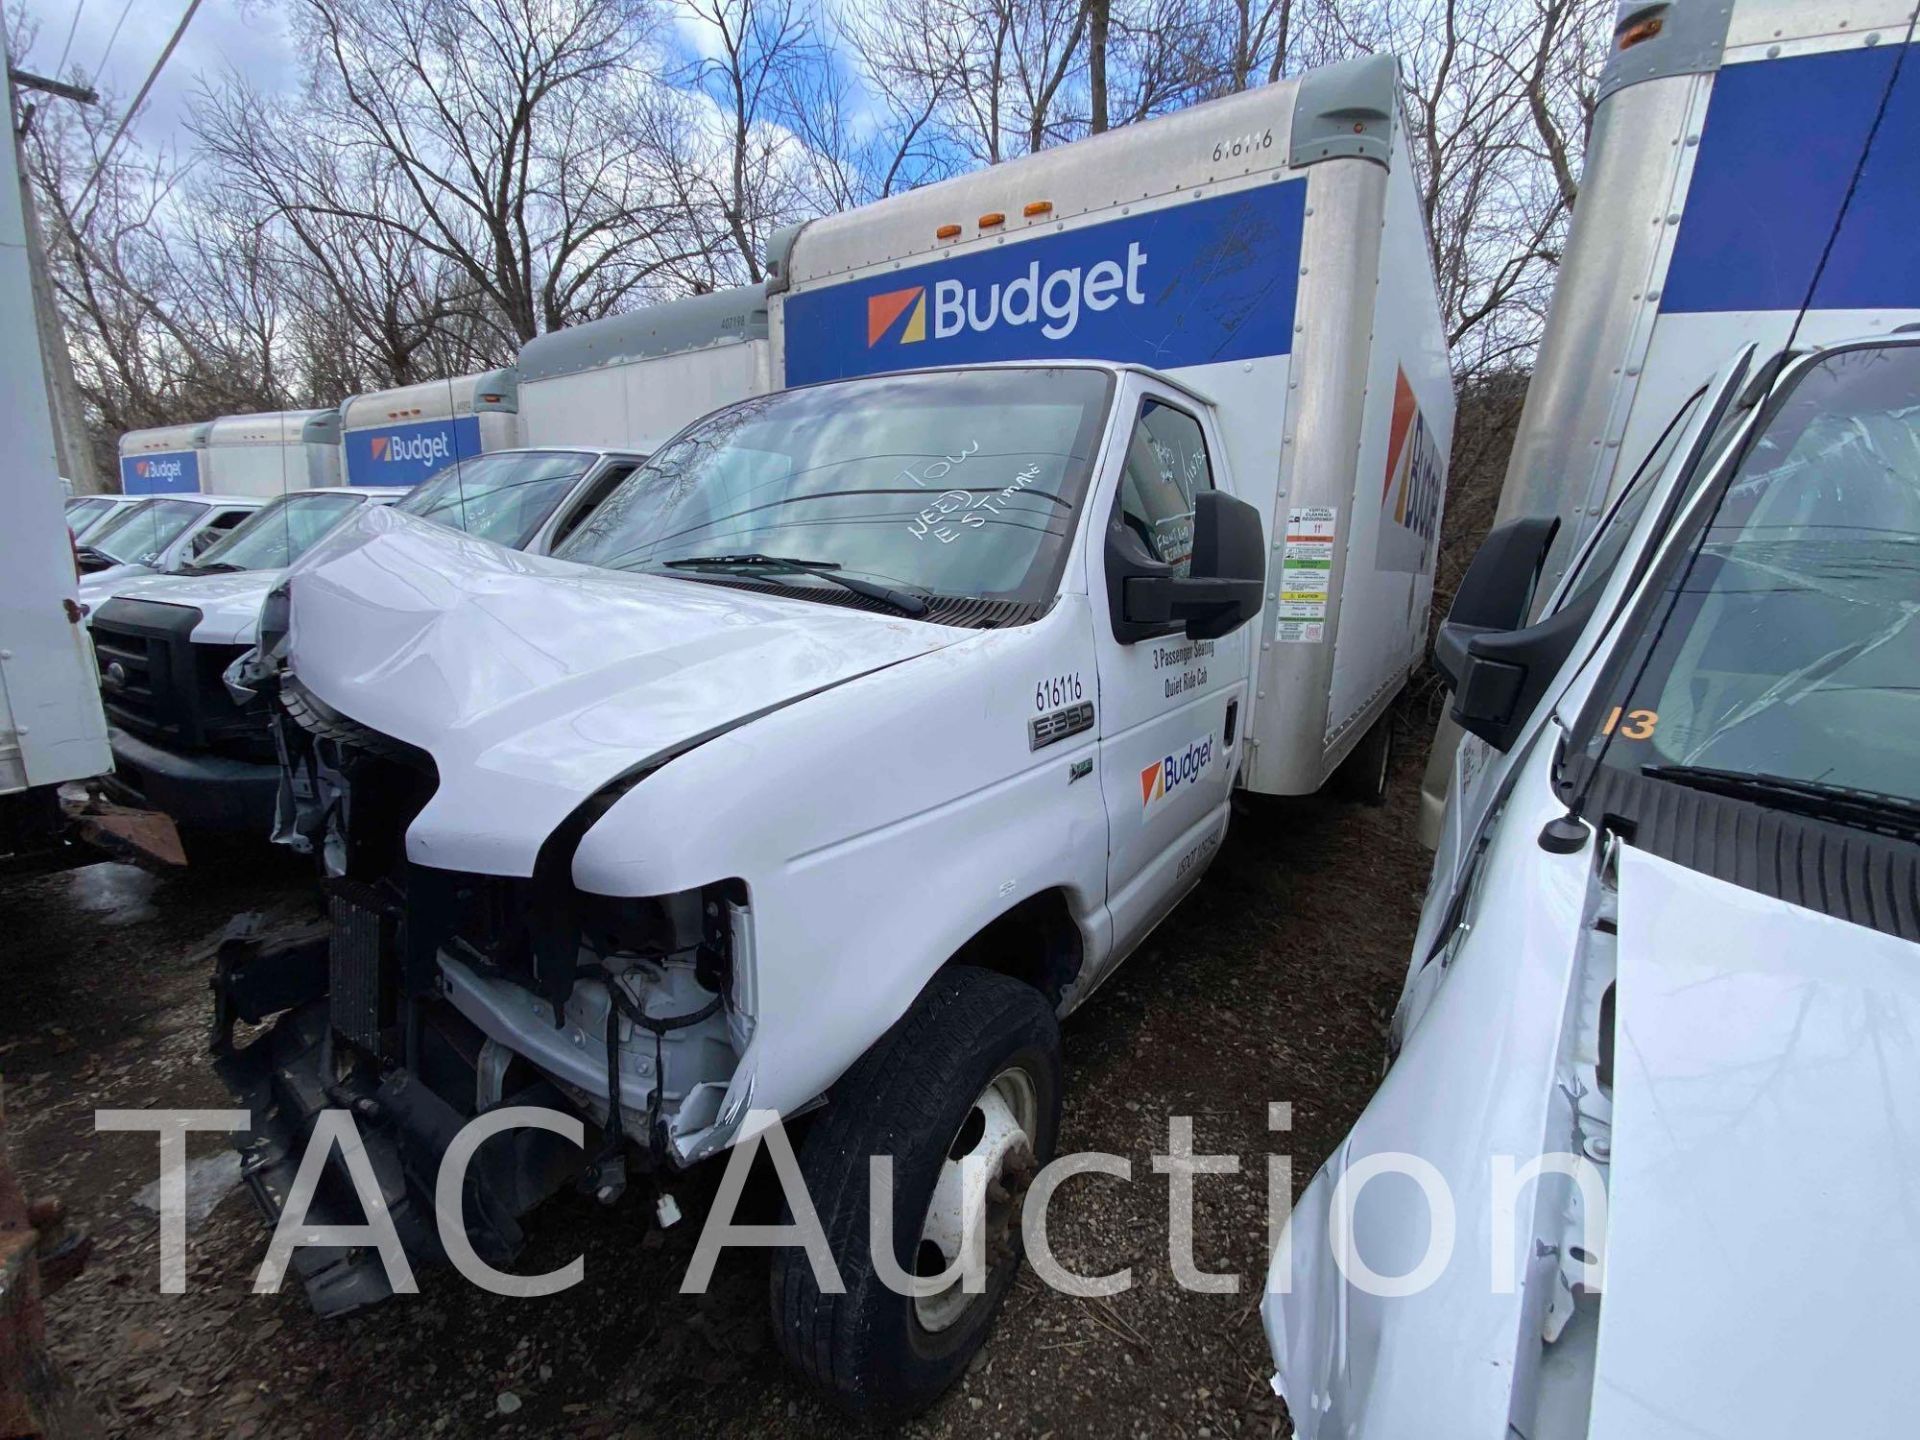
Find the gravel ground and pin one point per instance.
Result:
(1273, 982)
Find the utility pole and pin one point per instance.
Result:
(71, 450)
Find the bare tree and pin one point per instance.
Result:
(503, 134)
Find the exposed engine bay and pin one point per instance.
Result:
(431, 996)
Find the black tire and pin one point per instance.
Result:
(1362, 776)
(908, 1097)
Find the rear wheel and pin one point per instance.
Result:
(971, 1074)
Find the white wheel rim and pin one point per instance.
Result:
(999, 1162)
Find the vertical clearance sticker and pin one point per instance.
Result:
(1306, 572)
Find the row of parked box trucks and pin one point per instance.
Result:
(890, 645)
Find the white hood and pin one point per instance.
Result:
(1763, 1245)
(102, 585)
(229, 605)
(534, 682)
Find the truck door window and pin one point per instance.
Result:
(604, 484)
(1166, 466)
(1597, 563)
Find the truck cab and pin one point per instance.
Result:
(1672, 932)
(198, 749)
(159, 536)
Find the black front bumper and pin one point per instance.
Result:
(199, 791)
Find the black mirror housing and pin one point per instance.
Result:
(1497, 665)
(1222, 591)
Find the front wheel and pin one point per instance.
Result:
(971, 1074)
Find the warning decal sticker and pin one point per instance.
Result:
(1306, 573)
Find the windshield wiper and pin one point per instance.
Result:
(1842, 804)
(212, 567)
(905, 601)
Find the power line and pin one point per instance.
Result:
(108, 54)
(67, 49)
(138, 100)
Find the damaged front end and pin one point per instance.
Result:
(430, 997)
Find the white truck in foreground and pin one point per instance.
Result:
(1677, 956)
(874, 721)
(1725, 142)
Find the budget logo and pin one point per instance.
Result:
(884, 312)
(1163, 777)
(424, 450)
(1412, 489)
(140, 468)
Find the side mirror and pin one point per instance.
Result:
(1222, 591)
(1496, 665)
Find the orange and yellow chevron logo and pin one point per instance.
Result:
(884, 311)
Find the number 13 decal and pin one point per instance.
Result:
(1637, 724)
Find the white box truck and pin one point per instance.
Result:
(166, 460)
(273, 453)
(52, 729)
(408, 434)
(630, 381)
(868, 726)
(1724, 146)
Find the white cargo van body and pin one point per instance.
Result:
(1724, 143)
(406, 435)
(630, 381)
(167, 460)
(52, 729)
(273, 453)
(1266, 250)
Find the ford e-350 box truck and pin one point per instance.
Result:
(631, 381)
(867, 727)
(413, 432)
(166, 460)
(274, 453)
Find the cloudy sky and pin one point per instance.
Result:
(250, 35)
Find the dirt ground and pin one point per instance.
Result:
(1273, 982)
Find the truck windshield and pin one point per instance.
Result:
(504, 497)
(137, 536)
(279, 533)
(948, 483)
(1788, 650)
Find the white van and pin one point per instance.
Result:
(631, 381)
(1724, 147)
(166, 460)
(409, 434)
(1675, 949)
(274, 453)
(874, 721)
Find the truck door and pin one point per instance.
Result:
(1171, 708)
